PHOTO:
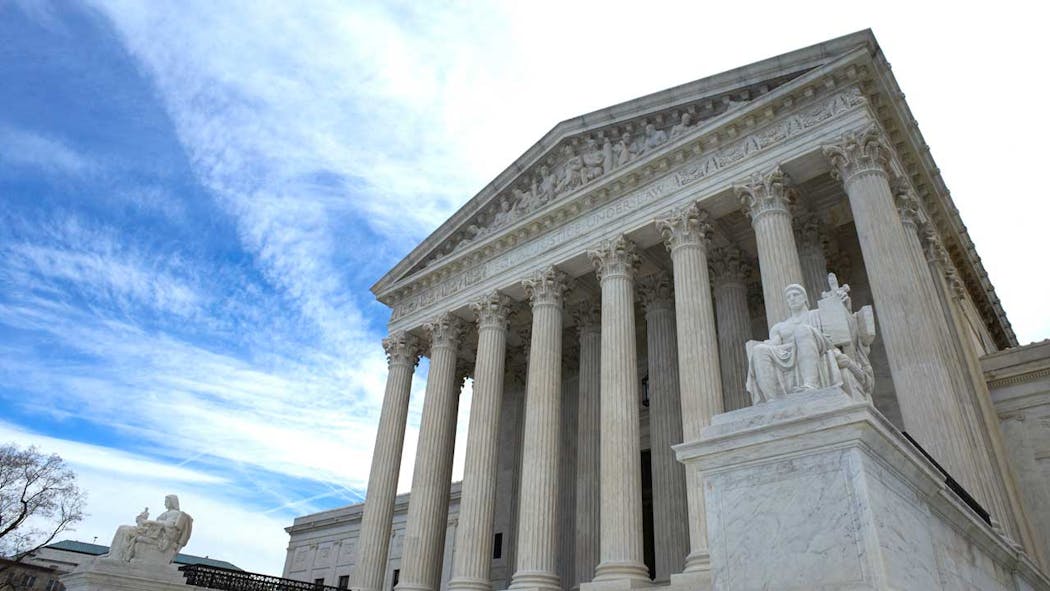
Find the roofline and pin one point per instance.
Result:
(794, 61)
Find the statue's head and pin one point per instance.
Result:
(171, 502)
(796, 297)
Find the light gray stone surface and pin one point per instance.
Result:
(823, 493)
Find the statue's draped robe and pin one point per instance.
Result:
(167, 534)
(795, 358)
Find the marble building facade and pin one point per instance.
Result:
(601, 293)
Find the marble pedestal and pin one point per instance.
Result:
(115, 575)
(818, 491)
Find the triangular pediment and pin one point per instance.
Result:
(578, 152)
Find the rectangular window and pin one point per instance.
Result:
(344, 581)
(397, 577)
(319, 583)
(497, 546)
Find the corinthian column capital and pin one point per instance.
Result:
(728, 265)
(810, 231)
(588, 317)
(656, 291)
(859, 153)
(689, 226)
(546, 287)
(614, 258)
(402, 349)
(937, 255)
(492, 310)
(763, 194)
(445, 331)
(907, 204)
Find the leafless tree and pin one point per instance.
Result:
(39, 499)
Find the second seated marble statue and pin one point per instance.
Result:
(813, 349)
(152, 540)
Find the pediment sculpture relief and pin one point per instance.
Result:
(572, 166)
(814, 349)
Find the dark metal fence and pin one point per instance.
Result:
(213, 577)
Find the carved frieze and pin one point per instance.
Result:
(608, 203)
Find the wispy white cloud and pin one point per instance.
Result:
(24, 148)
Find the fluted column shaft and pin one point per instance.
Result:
(811, 238)
(373, 546)
(924, 388)
(621, 466)
(686, 236)
(670, 515)
(537, 565)
(474, 536)
(730, 273)
(427, 519)
(767, 200)
(588, 499)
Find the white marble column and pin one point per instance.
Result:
(767, 200)
(670, 515)
(812, 239)
(589, 328)
(730, 272)
(924, 388)
(537, 558)
(621, 465)
(473, 549)
(945, 287)
(427, 518)
(402, 352)
(686, 235)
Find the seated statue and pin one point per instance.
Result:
(153, 540)
(806, 350)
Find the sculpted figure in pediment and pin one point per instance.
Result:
(622, 150)
(683, 126)
(608, 156)
(593, 161)
(572, 172)
(506, 213)
(543, 186)
(654, 138)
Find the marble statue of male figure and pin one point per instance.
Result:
(794, 357)
(805, 351)
(153, 540)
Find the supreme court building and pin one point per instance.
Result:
(601, 293)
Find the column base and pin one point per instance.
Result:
(698, 580)
(470, 584)
(698, 562)
(535, 581)
(617, 585)
(412, 587)
(619, 575)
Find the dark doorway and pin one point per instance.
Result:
(648, 539)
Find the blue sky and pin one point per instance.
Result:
(196, 196)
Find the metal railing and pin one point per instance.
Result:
(954, 486)
(213, 577)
